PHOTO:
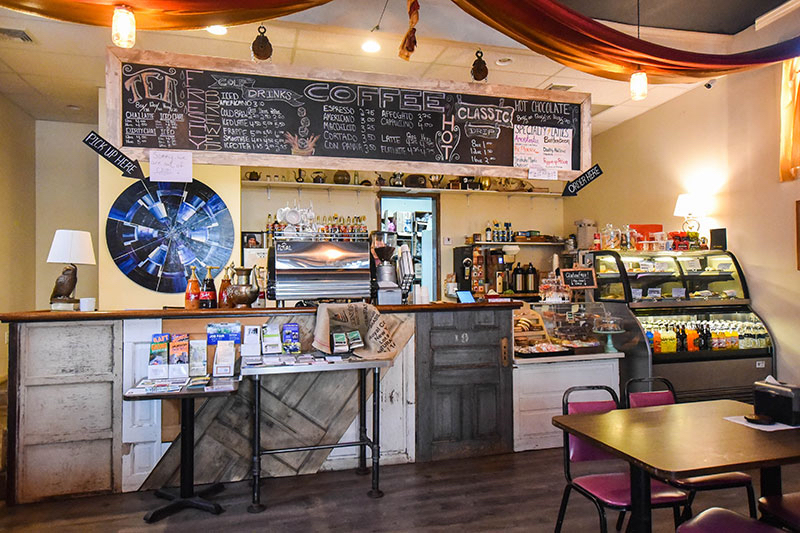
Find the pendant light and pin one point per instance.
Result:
(638, 78)
(123, 27)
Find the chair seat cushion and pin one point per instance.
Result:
(614, 489)
(716, 520)
(785, 508)
(714, 481)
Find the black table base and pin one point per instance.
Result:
(363, 441)
(186, 497)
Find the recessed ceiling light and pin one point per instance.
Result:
(217, 30)
(371, 46)
(504, 61)
(73, 107)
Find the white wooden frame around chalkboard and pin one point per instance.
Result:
(117, 56)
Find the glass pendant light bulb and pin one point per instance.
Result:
(639, 85)
(123, 27)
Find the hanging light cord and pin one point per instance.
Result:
(380, 19)
(638, 21)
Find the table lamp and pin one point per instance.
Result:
(690, 206)
(74, 248)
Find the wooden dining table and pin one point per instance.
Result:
(683, 440)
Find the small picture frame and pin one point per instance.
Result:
(252, 239)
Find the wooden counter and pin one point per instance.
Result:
(70, 434)
(129, 314)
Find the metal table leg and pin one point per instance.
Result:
(641, 519)
(362, 422)
(256, 506)
(376, 492)
(186, 497)
(771, 481)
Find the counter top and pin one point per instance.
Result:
(567, 358)
(130, 314)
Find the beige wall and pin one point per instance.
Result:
(66, 198)
(17, 220)
(115, 290)
(723, 142)
(461, 214)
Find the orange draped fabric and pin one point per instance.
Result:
(790, 120)
(547, 27)
(544, 26)
(164, 14)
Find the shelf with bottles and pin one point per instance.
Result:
(262, 184)
(705, 336)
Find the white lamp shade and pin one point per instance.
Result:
(690, 205)
(71, 246)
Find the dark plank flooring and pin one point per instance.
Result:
(514, 492)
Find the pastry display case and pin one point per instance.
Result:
(686, 317)
(548, 329)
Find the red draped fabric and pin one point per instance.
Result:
(544, 26)
(547, 27)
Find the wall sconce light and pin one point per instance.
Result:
(217, 29)
(261, 48)
(123, 27)
(479, 69)
(690, 206)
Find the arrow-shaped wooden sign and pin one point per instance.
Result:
(129, 167)
(582, 181)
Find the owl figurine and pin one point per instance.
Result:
(65, 284)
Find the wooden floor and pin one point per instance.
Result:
(515, 492)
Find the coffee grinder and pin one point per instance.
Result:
(386, 289)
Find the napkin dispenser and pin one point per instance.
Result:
(780, 401)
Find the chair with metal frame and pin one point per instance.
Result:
(716, 519)
(606, 490)
(693, 485)
(782, 510)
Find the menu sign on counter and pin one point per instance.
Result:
(204, 110)
(579, 278)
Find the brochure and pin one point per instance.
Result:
(157, 367)
(198, 358)
(179, 356)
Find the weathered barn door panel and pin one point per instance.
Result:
(464, 384)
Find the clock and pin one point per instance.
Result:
(156, 230)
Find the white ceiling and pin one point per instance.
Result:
(64, 65)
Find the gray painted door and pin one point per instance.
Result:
(464, 384)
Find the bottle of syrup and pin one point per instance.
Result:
(222, 296)
(208, 291)
(192, 299)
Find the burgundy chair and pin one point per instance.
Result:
(716, 520)
(608, 490)
(783, 510)
(727, 480)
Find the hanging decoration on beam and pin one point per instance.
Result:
(409, 43)
(261, 48)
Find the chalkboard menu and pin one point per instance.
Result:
(579, 278)
(214, 111)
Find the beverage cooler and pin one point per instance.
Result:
(687, 317)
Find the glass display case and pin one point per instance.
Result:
(668, 277)
(547, 329)
(687, 317)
